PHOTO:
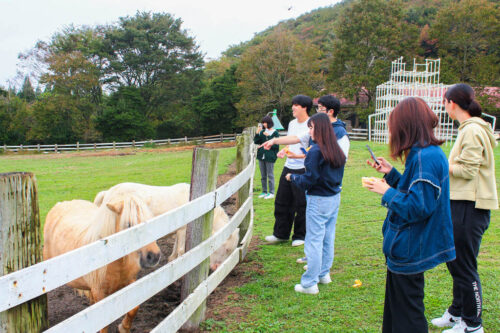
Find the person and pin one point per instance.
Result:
(473, 195)
(324, 165)
(266, 158)
(326, 104)
(290, 201)
(331, 106)
(417, 232)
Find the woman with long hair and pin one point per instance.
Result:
(418, 233)
(322, 181)
(473, 194)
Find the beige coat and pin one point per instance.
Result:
(473, 165)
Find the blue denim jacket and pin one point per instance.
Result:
(418, 232)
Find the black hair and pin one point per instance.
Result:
(463, 95)
(304, 101)
(268, 120)
(331, 103)
(326, 139)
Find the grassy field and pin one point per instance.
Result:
(273, 306)
(268, 300)
(72, 176)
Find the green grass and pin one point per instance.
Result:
(82, 177)
(268, 300)
(272, 304)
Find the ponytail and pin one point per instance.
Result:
(474, 109)
(463, 95)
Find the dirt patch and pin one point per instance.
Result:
(64, 302)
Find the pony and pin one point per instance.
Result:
(160, 200)
(72, 224)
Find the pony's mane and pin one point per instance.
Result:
(134, 211)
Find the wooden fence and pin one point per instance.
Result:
(21, 286)
(115, 145)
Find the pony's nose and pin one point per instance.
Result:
(151, 259)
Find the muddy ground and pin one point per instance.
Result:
(64, 302)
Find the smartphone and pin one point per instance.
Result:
(373, 155)
(303, 150)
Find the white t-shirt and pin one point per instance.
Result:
(296, 128)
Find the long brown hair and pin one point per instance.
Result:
(411, 123)
(326, 139)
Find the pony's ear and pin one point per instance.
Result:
(116, 206)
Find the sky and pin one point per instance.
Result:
(215, 24)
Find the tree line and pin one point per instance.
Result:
(144, 76)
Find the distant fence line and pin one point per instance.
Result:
(360, 134)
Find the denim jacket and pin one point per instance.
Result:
(418, 232)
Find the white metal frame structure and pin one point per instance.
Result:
(423, 82)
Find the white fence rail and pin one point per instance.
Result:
(116, 145)
(23, 285)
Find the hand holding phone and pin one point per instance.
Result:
(373, 155)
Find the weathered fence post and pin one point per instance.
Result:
(20, 247)
(38, 147)
(221, 137)
(78, 146)
(55, 148)
(203, 180)
(133, 144)
(243, 144)
(114, 145)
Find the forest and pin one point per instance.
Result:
(144, 77)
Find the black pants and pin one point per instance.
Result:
(469, 225)
(404, 304)
(289, 208)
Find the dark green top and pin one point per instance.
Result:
(263, 154)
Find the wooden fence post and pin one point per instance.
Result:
(20, 247)
(203, 180)
(78, 146)
(55, 148)
(38, 147)
(243, 144)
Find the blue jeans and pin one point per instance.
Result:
(321, 218)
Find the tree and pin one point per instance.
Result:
(27, 93)
(272, 72)
(55, 120)
(122, 118)
(151, 52)
(215, 106)
(468, 35)
(370, 35)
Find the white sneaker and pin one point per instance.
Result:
(269, 196)
(297, 242)
(461, 327)
(446, 320)
(325, 279)
(262, 195)
(302, 260)
(311, 290)
(273, 239)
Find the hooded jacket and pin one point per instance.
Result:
(473, 165)
(263, 154)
